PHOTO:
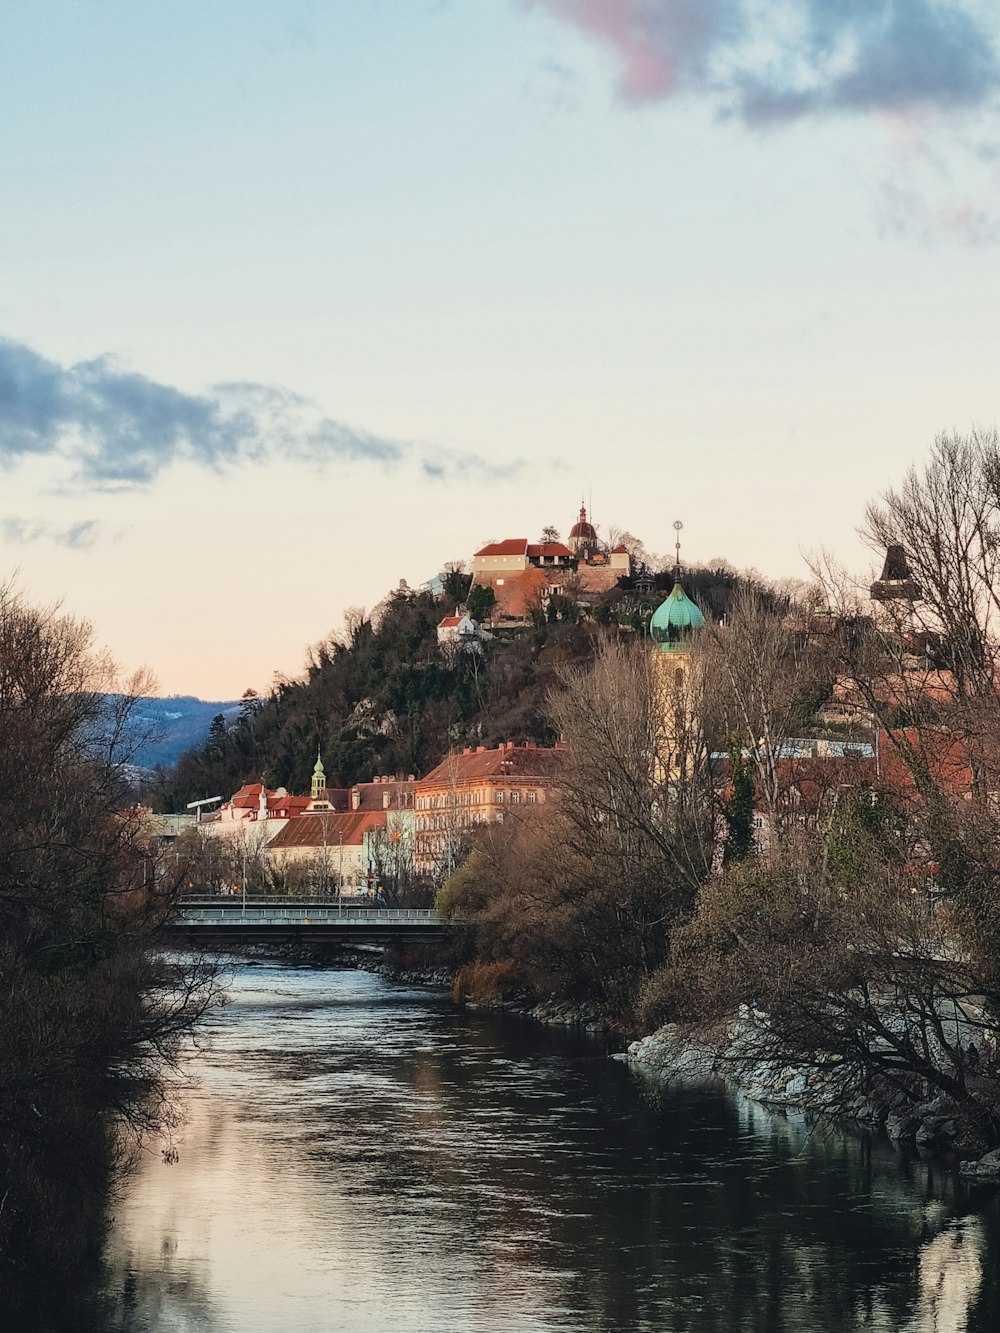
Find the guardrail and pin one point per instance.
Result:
(305, 915)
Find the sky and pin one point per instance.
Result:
(300, 298)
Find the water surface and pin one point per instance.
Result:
(358, 1156)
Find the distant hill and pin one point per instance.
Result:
(175, 724)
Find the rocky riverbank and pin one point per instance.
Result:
(550, 1012)
(932, 1124)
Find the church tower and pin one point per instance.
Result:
(672, 627)
(318, 790)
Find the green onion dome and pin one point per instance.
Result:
(674, 620)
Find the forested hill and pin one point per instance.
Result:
(383, 697)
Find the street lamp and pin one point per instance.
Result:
(243, 908)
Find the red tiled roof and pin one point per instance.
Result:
(293, 804)
(512, 546)
(450, 622)
(331, 831)
(513, 761)
(248, 798)
(538, 549)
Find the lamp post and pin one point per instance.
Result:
(340, 880)
(325, 890)
(243, 907)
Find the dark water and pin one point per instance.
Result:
(362, 1157)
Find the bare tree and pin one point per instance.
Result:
(946, 517)
(760, 685)
(92, 1016)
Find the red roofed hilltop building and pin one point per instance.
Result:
(524, 575)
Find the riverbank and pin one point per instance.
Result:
(932, 1125)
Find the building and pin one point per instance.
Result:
(461, 633)
(348, 852)
(582, 540)
(522, 574)
(673, 624)
(477, 787)
(255, 812)
(525, 575)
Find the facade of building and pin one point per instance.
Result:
(522, 574)
(479, 786)
(460, 632)
(349, 852)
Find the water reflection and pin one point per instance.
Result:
(360, 1157)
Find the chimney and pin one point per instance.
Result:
(355, 798)
(386, 799)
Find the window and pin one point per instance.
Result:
(500, 798)
(515, 796)
(529, 796)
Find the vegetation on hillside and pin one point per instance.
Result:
(381, 696)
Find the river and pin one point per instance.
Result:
(360, 1156)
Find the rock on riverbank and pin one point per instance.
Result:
(550, 1012)
(933, 1124)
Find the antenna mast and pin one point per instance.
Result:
(678, 525)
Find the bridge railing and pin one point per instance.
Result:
(306, 915)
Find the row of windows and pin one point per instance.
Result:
(451, 800)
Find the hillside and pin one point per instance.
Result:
(169, 726)
(383, 697)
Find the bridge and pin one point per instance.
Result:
(231, 921)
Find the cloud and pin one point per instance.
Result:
(904, 210)
(769, 62)
(80, 536)
(118, 430)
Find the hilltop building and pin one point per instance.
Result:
(461, 633)
(582, 540)
(524, 575)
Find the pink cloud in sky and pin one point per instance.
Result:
(663, 46)
(775, 63)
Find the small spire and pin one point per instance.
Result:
(318, 777)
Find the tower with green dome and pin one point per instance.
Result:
(671, 628)
(319, 779)
(674, 621)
